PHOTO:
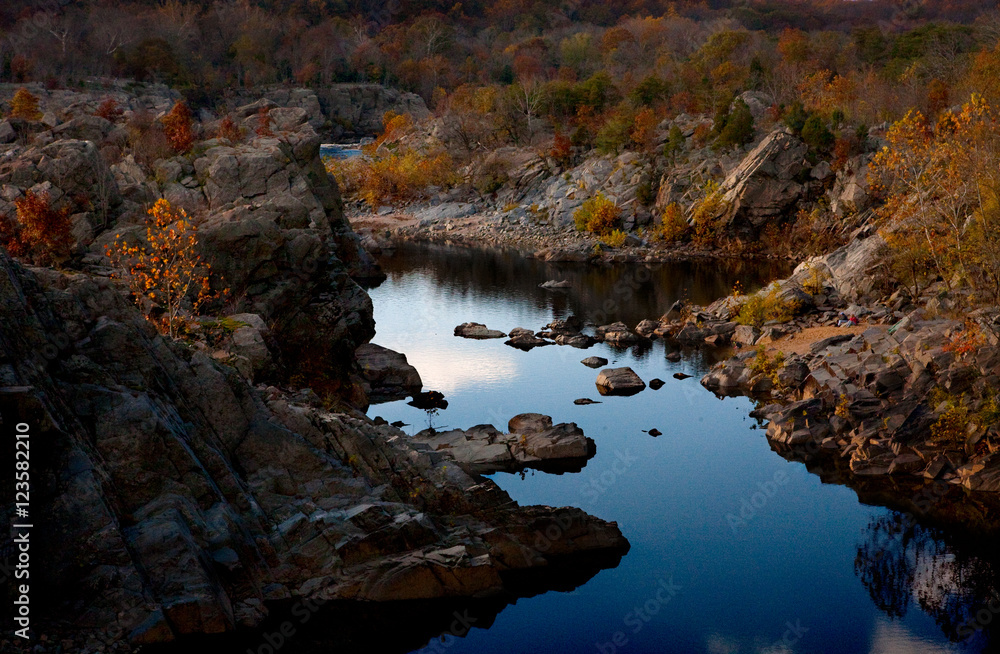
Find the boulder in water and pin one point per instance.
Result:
(619, 381)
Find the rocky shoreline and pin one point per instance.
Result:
(907, 397)
(541, 241)
(898, 404)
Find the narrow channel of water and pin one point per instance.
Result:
(734, 549)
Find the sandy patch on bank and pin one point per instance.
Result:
(800, 342)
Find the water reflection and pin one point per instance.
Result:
(859, 580)
(599, 293)
(426, 626)
(952, 578)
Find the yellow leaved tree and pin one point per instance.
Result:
(24, 105)
(166, 275)
(941, 186)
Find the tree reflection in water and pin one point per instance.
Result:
(952, 579)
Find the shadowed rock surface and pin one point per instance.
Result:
(387, 374)
(181, 500)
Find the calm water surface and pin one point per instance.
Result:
(734, 549)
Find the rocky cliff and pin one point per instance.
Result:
(270, 218)
(173, 497)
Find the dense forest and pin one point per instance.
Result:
(580, 55)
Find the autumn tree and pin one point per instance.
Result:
(109, 109)
(941, 185)
(37, 233)
(165, 274)
(24, 105)
(177, 127)
(229, 130)
(264, 121)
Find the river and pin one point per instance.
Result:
(734, 549)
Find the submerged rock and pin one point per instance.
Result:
(429, 400)
(618, 334)
(594, 362)
(525, 339)
(581, 341)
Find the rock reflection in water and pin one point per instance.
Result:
(394, 627)
(598, 293)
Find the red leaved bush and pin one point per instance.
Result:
(177, 127)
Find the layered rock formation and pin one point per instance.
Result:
(270, 222)
(766, 184)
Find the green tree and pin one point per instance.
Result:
(816, 134)
(738, 128)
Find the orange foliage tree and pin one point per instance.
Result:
(177, 128)
(941, 184)
(644, 129)
(394, 173)
(166, 275)
(24, 105)
(37, 233)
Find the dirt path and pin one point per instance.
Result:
(800, 342)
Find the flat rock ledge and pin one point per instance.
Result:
(619, 381)
(478, 331)
(532, 441)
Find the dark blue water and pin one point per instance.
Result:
(338, 152)
(734, 549)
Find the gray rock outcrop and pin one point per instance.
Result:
(532, 441)
(765, 185)
(387, 374)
